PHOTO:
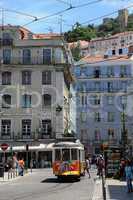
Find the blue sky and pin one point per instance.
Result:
(40, 8)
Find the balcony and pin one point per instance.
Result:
(38, 60)
(6, 42)
(32, 137)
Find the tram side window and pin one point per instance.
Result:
(57, 154)
(65, 154)
(74, 154)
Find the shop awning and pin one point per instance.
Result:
(41, 147)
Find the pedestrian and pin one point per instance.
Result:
(88, 167)
(122, 168)
(100, 165)
(129, 175)
(21, 167)
(31, 164)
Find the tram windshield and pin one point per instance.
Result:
(65, 154)
(57, 154)
(74, 155)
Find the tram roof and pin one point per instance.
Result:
(68, 145)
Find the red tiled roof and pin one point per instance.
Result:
(112, 36)
(99, 58)
(45, 36)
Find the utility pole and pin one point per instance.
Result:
(61, 24)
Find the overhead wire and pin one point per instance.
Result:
(63, 11)
(18, 12)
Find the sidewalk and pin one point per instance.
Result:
(10, 177)
(116, 190)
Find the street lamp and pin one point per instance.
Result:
(124, 133)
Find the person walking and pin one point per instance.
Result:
(129, 176)
(100, 166)
(88, 167)
(21, 167)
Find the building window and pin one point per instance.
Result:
(47, 100)
(110, 71)
(46, 127)
(5, 127)
(26, 101)
(26, 56)
(95, 100)
(120, 51)
(26, 78)
(97, 73)
(123, 71)
(97, 135)
(110, 116)
(113, 52)
(26, 127)
(6, 78)
(97, 117)
(47, 56)
(6, 56)
(110, 100)
(97, 86)
(83, 100)
(110, 86)
(6, 101)
(83, 116)
(111, 134)
(6, 39)
(46, 78)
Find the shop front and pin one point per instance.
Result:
(40, 155)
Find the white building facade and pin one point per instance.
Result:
(34, 81)
(104, 86)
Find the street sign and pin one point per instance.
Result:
(4, 146)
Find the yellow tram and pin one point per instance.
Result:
(68, 159)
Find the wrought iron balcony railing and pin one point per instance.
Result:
(38, 60)
(19, 136)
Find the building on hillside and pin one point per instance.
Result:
(112, 45)
(35, 77)
(123, 18)
(104, 85)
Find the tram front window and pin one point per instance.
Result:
(74, 154)
(57, 155)
(65, 154)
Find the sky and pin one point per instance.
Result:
(41, 8)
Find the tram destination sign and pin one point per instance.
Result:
(4, 146)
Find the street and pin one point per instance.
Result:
(43, 185)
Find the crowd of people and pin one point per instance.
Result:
(99, 162)
(125, 169)
(15, 164)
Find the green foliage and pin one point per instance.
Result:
(80, 33)
(76, 52)
(109, 27)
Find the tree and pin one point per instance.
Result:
(109, 27)
(76, 52)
